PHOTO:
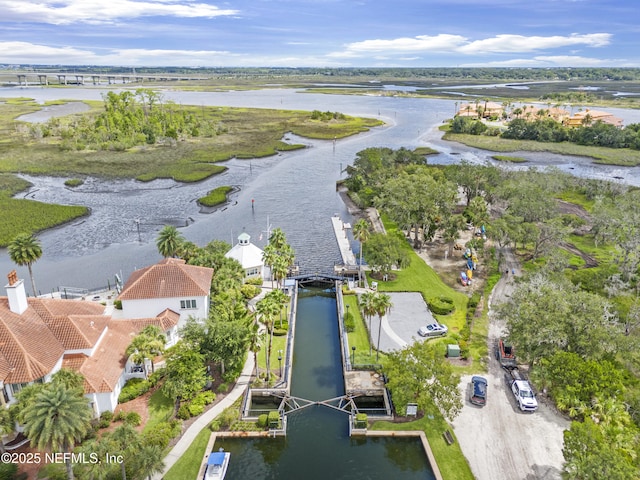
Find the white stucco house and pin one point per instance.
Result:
(169, 284)
(39, 336)
(248, 255)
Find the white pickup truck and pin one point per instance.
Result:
(523, 392)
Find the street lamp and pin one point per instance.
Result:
(347, 316)
(353, 355)
(280, 361)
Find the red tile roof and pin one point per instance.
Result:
(31, 344)
(103, 369)
(29, 348)
(170, 277)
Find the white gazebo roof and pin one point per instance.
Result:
(246, 252)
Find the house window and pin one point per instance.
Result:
(185, 304)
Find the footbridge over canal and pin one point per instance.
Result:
(364, 389)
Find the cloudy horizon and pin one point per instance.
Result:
(321, 33)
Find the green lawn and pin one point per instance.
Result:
(188, 466)
(160, 409)
(451, 462)
(420, 277)
(360, 336)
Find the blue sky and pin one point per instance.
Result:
(322, 33)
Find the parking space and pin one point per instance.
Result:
(400, 326)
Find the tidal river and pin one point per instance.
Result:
(294, 191)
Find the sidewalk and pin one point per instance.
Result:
(203, 421)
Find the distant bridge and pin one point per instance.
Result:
(66, 78)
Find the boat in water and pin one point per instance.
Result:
(217, 464)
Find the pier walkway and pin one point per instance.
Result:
(340, 229)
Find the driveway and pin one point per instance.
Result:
(498, 440)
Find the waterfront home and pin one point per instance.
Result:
(169, 284)
(39, 336)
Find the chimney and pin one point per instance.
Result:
(16, 294)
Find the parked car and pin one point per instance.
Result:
(433, 330)
(478, 390)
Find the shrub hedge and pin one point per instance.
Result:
(133, 389)
(442, 305)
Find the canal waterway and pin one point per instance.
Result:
(294, 191)
(317, 445)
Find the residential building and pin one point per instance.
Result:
(39, 336)
(169, 284)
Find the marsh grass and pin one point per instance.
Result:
(215, 197)
(240, 133)
(18, 215)
(508, 158)
(605, 156)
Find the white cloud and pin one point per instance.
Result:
(445, 43)
(22, 52)
(29, 53)
(422, 43)
(520, 43)
(63, 12)
(543, 61)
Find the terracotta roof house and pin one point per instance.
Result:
(248, 255)
(531, 112)
(39, 336)
(592, 116)
(488, 109)
(169, 284)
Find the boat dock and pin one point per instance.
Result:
(340, 228)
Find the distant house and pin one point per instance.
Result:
(531, 112)
(484, 109)
(39, 336)
(248, 255)
(169, 284)
(592, 116)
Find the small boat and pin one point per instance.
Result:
(217, 464)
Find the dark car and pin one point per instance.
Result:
(478, 390)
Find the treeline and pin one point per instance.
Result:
(548, 130)
(560, 73)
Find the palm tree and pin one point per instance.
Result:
(382, 305)
(169, 241)
(25, 249)
(148, 343)
(362, 234)
(148, 460)
(255, 343)
(126, 442)
(56, 419)
(367, 306)
(268, 309)
(7, 425)
(97, 470)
